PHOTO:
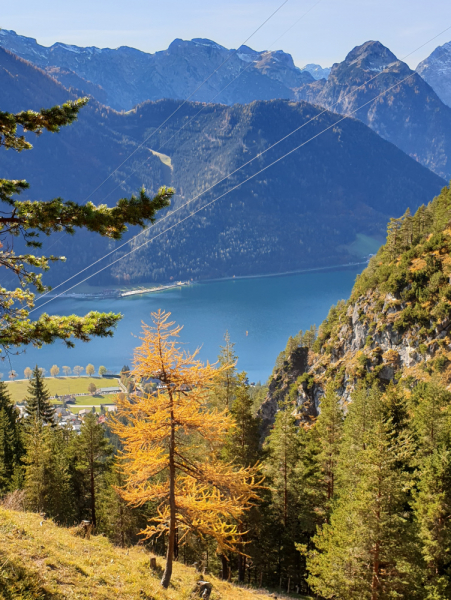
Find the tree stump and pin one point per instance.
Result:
(204, 589)
(153, 563)
(87, 528)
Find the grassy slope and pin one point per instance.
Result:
(49, 562)
(62, 386)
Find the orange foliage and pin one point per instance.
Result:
(171, 440)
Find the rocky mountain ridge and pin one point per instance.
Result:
(436, 70)
(396, 324)
(124, 77)
(410, 114)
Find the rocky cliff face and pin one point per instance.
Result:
(410, 115)
(436, 70)
(124, 77)
(280, 383)
(397, 323)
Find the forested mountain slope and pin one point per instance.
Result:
(361, 416)
(68, 164)
(309, 210)
(396, 324)
(73, 163)
(125, 77)
(304, 211)
(410, 115)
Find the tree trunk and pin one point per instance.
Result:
(241, 559)
(375, 581)
(176, 544)
(171, 538)
(225, 567)
(121, 516)
(93, 491)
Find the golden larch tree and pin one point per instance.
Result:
(171, 438)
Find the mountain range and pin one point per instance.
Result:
(125, 77)
(410, 114)
(325, 204)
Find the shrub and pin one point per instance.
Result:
(440, 363)
(422, 349)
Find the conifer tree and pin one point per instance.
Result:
(47, 482)
(29, 220)
(242, 447)
(283, 449)
(320, 464)
(115, 517)
(226, 382)
(432, 506)
(368, 550)
(431, 407)
(11, 444)
(92, 451)
(36, 460)
(60, 500)
(171, 446)
(38, 399)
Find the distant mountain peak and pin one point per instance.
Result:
(71, 48)
(206, 42)
(436, 70)
(317, 71)
(11, 32)
(371, 56)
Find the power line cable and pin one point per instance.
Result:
(187, 99)
(398, 83)
(171, 115)
(211, 100)
(241, 167)
(159, 148)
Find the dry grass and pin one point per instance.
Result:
(47, 562)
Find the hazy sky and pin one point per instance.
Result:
(325, 35)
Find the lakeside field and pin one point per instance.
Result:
(66, 385)
(96, 401)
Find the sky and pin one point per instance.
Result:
(329, 30)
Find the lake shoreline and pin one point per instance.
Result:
(244, 305)
(332, 268)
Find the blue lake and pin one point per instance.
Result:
(269, 309)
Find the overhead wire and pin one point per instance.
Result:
(249, 65)
(237, 170)
(159, 147)
(166, 120)
(398, 83)
(187, 99)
